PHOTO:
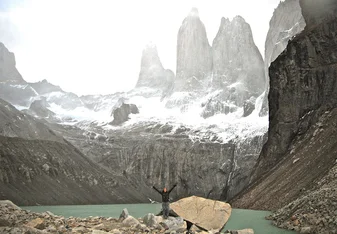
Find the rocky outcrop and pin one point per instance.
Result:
(152, 73)
(13, 88)
(248, 107)
(237, 60)
(40, 109)
(286, 22)
(122, 112)
(16, 220)
(302, 143)
(194, 55)
(8, 71)
(43, 87)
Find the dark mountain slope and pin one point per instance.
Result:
(51, 173)
(37, 166)
(302, 139)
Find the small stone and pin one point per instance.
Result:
(296, 222)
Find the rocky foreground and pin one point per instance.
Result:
(15, 220)
(315, 211)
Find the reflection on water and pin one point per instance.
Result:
(239, 219)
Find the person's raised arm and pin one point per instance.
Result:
(156, 189)
(172, 188)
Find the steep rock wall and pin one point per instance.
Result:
(302, 143)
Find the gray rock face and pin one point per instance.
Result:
(152, 73)
(121, 113)
(8, 71)
(237, 60)
(194, 55)
(286, 22)
(151, 155)
(307, 84)
(300, 154)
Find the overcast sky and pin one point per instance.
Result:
(95, 46)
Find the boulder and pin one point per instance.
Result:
(130, 221)
(124, 214)
(121, 114)
(205, 213)
(150, 220)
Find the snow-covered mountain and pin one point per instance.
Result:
(199, 125)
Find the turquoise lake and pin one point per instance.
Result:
(239, 219)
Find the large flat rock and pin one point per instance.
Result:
(206, 213)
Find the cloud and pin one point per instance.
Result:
(88, 46)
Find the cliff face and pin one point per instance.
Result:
(151, 154)
(236, 59)
(302, 143)
(8, 71)
(302, 85)
(286, 22)
(194, 55)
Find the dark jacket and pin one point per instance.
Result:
(165, 196)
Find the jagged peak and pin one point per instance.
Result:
(224, 21)
(150, 45)
(239, 18)
(150, 48)
(194, 12)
